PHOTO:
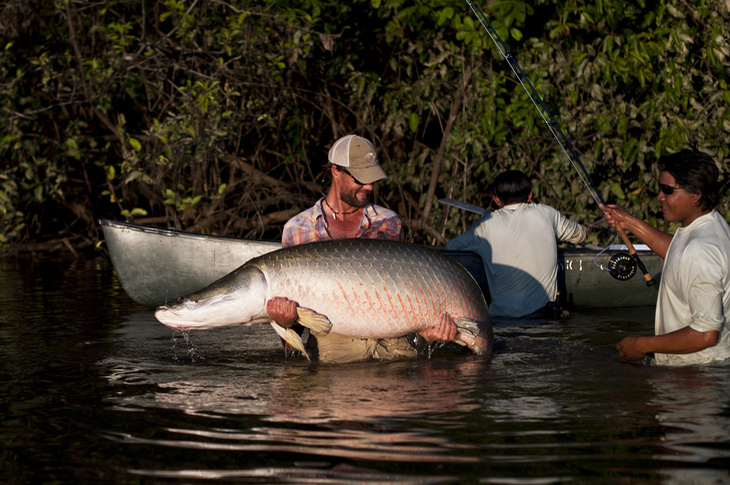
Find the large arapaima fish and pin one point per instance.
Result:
(362, 288)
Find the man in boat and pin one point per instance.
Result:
(346, 212)
(693, 305)
(518, 247)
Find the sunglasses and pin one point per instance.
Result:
(341, 169)
(669, 189)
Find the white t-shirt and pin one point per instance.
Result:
(695, 287)
(518, 246)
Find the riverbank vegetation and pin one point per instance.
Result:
(216, 116)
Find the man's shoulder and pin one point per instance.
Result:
(300, 227)
(707, 238)
(307, 215)
(553, 215)
(712, 222)
(710, 228)
(544, 208)
(523, 208)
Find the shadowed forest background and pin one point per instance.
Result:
(216, 116)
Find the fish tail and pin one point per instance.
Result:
(472, 335)
(292, 338)
(315, 322)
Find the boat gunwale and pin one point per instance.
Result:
(576, 287)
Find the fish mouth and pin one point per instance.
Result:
(164, 308)
(163, 312)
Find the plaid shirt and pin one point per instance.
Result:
(310, 225)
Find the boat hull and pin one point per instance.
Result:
(156, 266)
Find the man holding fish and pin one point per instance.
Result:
(692, 322)
(346, 213)
(357, 292)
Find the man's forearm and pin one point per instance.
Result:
(658, 241)
(682, 341)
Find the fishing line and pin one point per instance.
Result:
(554, 128)
(549, 120)
(176, 218)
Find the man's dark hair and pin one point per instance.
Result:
(696, 172)
(512, 186)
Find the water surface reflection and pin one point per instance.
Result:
(96, 391)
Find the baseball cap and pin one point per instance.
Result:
(358, 156)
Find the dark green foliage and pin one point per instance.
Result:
(219, 114)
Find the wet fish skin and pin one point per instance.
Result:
(366, 288)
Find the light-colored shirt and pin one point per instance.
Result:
(310, 225)
(695, 288)
(518, 246)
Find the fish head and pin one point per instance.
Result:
(236, 299)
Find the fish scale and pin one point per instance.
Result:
(363, 288)
(406, 286)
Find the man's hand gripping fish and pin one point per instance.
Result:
(362, 288)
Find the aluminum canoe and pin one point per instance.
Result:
(156, 265)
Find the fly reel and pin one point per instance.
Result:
(622, 266)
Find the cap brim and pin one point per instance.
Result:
(368, 175)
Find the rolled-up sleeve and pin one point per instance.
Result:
(705, 294)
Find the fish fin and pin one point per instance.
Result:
(467, 326)
(472, 335)
(292, 338)
(315, 322)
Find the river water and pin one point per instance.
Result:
(94, 390)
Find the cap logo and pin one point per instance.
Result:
(358, 155)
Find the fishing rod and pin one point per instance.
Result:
(565, 144)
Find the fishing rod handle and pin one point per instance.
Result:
(632, 251)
